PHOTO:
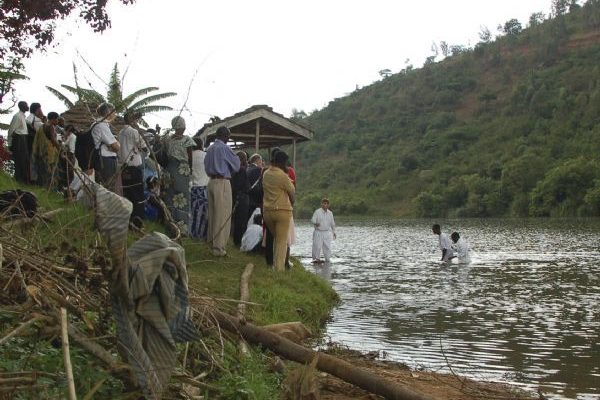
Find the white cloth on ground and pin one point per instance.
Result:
(76, 186)
(252, 237)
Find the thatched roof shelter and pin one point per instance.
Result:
(83, 115)
(259, 127)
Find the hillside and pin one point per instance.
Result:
(508, 128)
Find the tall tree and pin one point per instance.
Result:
(114, 94)
(512, 27)
(485, 35)
(560, 7)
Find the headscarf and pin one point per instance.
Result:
(178, 123)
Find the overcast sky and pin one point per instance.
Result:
(287, 54)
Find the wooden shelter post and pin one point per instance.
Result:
(257, 134)
(294, 153)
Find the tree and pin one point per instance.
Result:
(132, 102)
(385, 73)
(298, 115)
(536, 19)
(485, 35)
(9, 72)
(29, 25)
(512, 27)
(560, 7)
(444, 48)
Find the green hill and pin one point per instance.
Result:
(508, 128)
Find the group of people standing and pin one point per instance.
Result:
(210, 194)
(38, 145)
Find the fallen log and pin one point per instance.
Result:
(67, 354)
(294, 331)
(244, 297)
(244, 292)
(357, 376)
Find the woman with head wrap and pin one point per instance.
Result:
(179, 154)
(45, 151)
(277, 206)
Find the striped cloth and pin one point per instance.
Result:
(149, 301)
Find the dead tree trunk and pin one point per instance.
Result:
(244, 297)
(326, 363)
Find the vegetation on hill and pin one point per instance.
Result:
(507, 128)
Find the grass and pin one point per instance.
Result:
(295, 295)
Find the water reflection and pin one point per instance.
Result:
(525, 311)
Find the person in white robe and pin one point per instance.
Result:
(461, 248)
(324, 232)
(445, 244)
(252, 238)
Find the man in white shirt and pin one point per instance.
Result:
(324, 232)
(132, 149)
(107, 145)
(17, 144)
(445, 244)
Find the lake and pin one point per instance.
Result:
(526, 311)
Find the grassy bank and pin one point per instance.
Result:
(295, 295)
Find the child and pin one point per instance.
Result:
(461, 247)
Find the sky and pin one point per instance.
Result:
(228, 55)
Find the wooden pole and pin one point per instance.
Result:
(294, 153)
(362, 378)
(257, 134)
(64, 325)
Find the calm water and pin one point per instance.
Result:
(525, 311)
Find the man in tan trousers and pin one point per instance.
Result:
(220, 163)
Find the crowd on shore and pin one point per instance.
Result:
(210, 194)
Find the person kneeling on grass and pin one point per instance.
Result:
(251, 241)
(324, 232)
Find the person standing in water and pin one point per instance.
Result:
(461, 248)
(445, 245)
(324, 224)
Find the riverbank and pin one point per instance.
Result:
(295, 295)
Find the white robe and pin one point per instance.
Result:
(462, 251)
(323, 234)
